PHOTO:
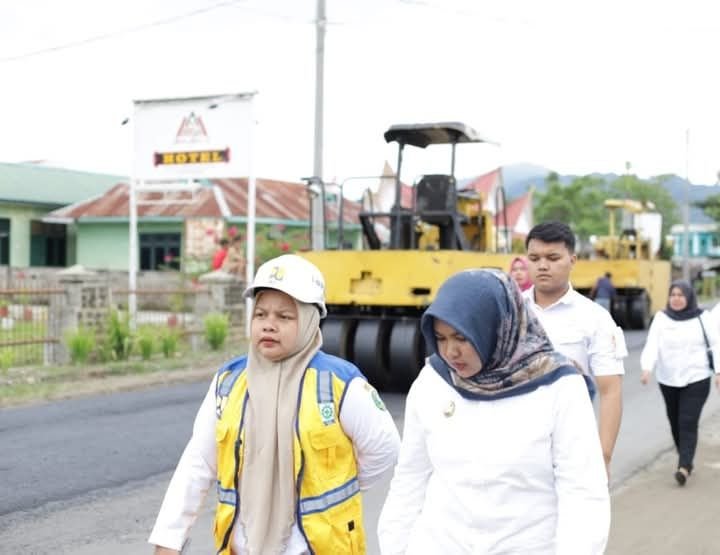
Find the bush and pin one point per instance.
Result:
(6, 359)
(119, 336)
(80, 343)
(216, 329)
(146, 337)
(169, 339)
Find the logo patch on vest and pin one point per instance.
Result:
(374, 396)
(377, 400)
(327, 413)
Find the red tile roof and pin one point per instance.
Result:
(274, 200)
(514, 209)
(484, 183)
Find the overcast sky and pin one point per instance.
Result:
(571, 85)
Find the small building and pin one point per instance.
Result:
(181, 229)
(703, 244)
(519, 214)
(27, 193)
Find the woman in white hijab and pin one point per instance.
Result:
(291, 435)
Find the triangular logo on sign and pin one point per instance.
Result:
(191, 130)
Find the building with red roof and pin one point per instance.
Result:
(182, 227)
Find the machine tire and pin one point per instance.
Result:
(639, 312)
(338, 334)
(407, 353)
(370, 350)
(619, 313)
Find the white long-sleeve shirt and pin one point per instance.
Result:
(369, 426)
(676, 349)
(583, 331)
(521, 475)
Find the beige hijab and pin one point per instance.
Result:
(267, 481)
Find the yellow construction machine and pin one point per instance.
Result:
(376, 296)
(629, 253)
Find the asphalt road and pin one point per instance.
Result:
(88, 475)
(62, 450)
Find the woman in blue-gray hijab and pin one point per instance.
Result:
(500, 450)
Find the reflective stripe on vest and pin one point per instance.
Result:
(227, 496)
(225, 383)
(329, 499)
(326, 406)
(324, 386)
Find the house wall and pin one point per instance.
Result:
(522, 226)
(20, 217)
(701, 244)
(104, 245)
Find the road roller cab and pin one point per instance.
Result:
(375, 296)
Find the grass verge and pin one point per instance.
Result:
(36, 384)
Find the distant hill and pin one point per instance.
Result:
(518, 178)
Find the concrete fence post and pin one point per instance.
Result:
(215, 298)
(66, 310)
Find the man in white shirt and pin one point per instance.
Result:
(579, 328)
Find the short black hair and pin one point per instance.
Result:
(552, 232)
(224, 242)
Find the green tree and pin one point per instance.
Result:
(711, 206)
(579, 204)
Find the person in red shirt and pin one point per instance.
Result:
(234, 262)
(220, 254)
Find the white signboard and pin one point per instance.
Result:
(186, 138)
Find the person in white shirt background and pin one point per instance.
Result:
(500, 451)
(682, 341)
(579, 328)
(290, 435)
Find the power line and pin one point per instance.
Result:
(113, 34)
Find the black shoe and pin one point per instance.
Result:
(681, 477)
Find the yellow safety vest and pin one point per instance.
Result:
(329, 507)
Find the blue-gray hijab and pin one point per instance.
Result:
(487, 308)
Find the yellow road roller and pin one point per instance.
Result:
(375, 296)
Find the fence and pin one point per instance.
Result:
(36, 314)
(26, 321)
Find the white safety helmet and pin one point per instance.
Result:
(293, 275)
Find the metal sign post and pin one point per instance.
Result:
(133, 256)
(250, 233)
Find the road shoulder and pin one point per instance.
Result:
(651, 514)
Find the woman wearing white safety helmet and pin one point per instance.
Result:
(289, 434)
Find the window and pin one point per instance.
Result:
(4, 241)
(48, 244)
(159, 251)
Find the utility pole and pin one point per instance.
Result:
(317, 197)
(686, 211)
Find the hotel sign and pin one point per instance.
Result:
(191, 138)
(192, 157)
